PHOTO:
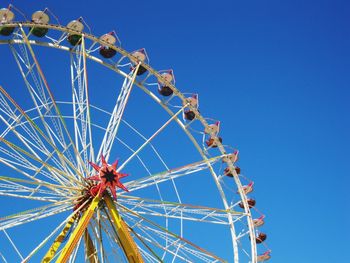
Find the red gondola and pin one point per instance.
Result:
(212, 143)
(251, 203)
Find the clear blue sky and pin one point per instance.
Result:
(277, 74)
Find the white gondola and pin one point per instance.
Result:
(163, 88)
(140, 56)
(264, 257)
(75, 38)
(6, 16)
(40, 17)
(106, 51)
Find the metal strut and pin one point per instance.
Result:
(78, 231)
(58, 241)
(127, 242)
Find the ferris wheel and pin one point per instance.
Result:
(103, 159)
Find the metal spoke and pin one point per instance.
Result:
(34, 214)
(165, 234)
(117, 114)
(52, 172)
(38, 183)
(32, 123)
(31, 139)
(81, 104)
(171, 174)
(52, 99)
(13, 244)
(175, 210)
(43, 105)
(151, 138)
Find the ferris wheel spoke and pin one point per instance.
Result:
(30, 186)
(18, 153)
(13, 244)
(147, 207)
(81, 103)
(18, 188)
(16, 181)
(41, 101)
(171, 174)
(174, 247)
(135, 153)
(30, 197)
(25, 133)
(52, 99)
(156, 153)
(19, 158)
(167, 236)
(3, 258)
(61, 155)
(35, 214)
(149, 238)
(117, 114)
(170, 244)
(31, 173)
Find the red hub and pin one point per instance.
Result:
(108, 177)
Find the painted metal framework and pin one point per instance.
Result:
(53, 163)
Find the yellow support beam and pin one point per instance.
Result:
(58, 241)
(127, 242)
(78, 231)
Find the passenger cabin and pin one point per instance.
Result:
(228, 172)
(140, 55)
(259, 221)
(189, 115)
(192, 102)
(260, 238)
(6, 16)
(213, 128)
(163, 88)
(233, 157)
(75, 38)
(248, 188)
(40, 17)
(264, 257)
(212, 142)
(251, 203)
(106, 51)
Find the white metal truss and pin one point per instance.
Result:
(34, 214)
(170, 174)
(179, 211)
(156, 235)
(81, 106)
(43, 134)
(117, 114)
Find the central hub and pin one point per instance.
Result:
(108, 177)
